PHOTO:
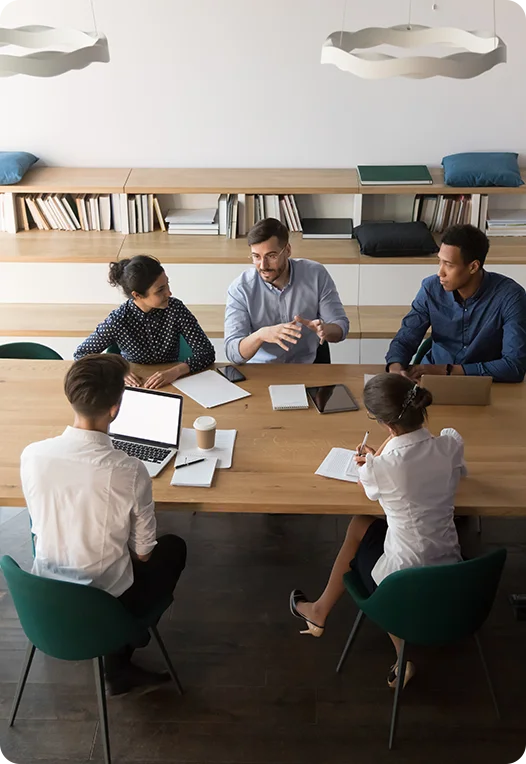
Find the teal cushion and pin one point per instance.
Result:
(482, 169)
(14, 165)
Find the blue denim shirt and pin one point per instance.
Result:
(253, 304)
(486, 334)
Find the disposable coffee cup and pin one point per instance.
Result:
(205, 429)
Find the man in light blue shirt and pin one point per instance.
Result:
(283, 309)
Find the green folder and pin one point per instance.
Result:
(394, 175)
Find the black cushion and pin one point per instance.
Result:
(395, 239)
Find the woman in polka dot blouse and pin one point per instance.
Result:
(147, 328)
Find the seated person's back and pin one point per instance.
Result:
(88, 502)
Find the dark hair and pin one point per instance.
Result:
(265, 230)
(397, 401)
(136, 274)
(472, 242)
(95, 383)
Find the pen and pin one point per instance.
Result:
(364, 443)
(188, 464)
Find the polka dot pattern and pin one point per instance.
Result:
(151, 337)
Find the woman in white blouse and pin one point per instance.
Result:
(414, 476)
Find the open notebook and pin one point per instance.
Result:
(340, 465)
(285, 397)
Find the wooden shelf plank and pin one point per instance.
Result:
(104, 246)
(218, 249)
(79, 320)
(71, 180)
(242, 181)
(60, 246)
(439, 187)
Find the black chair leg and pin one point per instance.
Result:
(155, 634)
(98, 668)
(488, 676)
(352, 636)
(28, 660)
(402, 661)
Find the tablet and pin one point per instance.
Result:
(331, 399)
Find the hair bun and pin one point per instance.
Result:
(423, 398)
(117, 271)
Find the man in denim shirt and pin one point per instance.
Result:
(477, 318)
(283, 309)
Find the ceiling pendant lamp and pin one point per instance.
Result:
(50, 51)
(353, 51)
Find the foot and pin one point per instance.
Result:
(392, 677)
(300, 608)
(137, 679)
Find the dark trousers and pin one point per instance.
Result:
(152, 581)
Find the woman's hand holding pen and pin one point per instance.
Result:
(361, 453)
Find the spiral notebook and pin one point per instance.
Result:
(285, 397)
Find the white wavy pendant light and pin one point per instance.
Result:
(77, 49)
(351, 51)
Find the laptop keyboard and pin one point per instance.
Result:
(144, 453)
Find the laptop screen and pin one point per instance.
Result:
(149, 416)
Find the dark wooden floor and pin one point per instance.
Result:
(258, 692)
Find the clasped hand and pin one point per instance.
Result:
(156, 380)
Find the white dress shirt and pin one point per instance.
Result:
(415, 479)
(89, 505)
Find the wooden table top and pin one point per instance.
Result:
(277, 453)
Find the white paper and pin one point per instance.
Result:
(209, 389)
(196, 475)
(367, 378)
(222, 451)
(340, 465)
(288, 397)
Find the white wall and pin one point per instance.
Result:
(238, 83)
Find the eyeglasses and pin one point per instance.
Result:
(271, 257)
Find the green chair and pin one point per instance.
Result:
(435, 605)
(30, 350)
(185, 351)
(422, 351)
(74, 622)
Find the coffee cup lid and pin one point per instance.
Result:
(205, 423)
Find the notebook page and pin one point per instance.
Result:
(288, 397)
(339, 465)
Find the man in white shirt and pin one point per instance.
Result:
(92, 510)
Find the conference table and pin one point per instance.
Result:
(277, 452)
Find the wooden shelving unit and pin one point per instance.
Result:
(102, 247)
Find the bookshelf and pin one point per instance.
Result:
(100, 247)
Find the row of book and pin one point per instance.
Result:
(125, 213)
(235, 215)
(239, 212)
(440, 211)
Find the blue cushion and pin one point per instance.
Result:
(14, 165)
(482, 169)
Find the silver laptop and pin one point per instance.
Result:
(148, 426)
(458, 391)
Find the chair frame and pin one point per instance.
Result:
(100, 685)
(402, 662)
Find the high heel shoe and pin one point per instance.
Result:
(392, 677)
(312, 628)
